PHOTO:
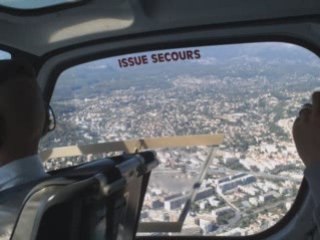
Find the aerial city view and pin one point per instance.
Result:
(250, 93)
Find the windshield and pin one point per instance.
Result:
(249, 93)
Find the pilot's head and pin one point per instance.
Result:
(22, 112)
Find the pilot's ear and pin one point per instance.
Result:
(2, 130)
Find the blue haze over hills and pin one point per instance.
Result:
(273, 61)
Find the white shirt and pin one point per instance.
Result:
(21, 171)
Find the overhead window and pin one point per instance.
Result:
(4, 55)
(33, 4)
(249, 93)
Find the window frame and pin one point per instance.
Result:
(54, 63)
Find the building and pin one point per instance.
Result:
(175, 202)
(144, 214)
(207, 224)
(223, 213)
(203, 205)
(243, 180)
(157, 204)
(172, 196)
(238, 175)
(213, 202)
(234, 232)
(221, 180)
(204, 193)
(230, 160)
(191, 231)
(267, 197)
(254, 201)
(250, 190)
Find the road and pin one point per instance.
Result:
(227, 171)
(221, 195)
(271, 206)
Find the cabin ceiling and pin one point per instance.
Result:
(40, 31)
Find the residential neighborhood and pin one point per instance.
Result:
(255, 174)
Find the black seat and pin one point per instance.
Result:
(96, 200)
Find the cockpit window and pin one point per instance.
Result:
(33, 4)
(249, 93)
(4, 55)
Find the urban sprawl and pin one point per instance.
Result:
(255, 173)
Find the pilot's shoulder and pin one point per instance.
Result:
(10, 204)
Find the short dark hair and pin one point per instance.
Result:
(11, 68)
(22, 106)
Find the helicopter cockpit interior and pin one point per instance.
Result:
(169, 119)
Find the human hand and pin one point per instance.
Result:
(306, 131)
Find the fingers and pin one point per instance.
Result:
(310, 111)
(296, 124)
(305, 112)
(316, 103)
(296, 129)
